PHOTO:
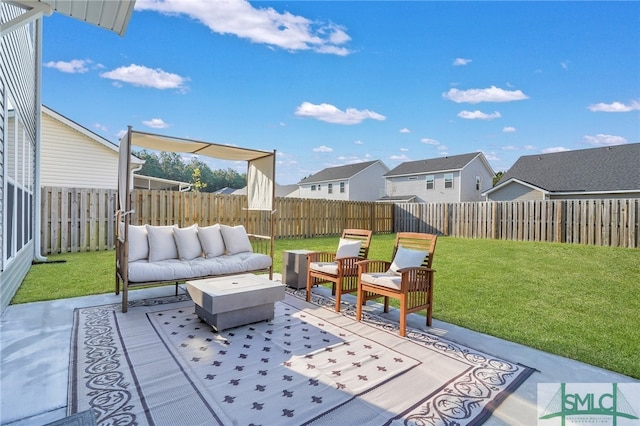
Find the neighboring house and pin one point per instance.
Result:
(450, 179)
(608, 172)
(353, 182)
(20, 130)
(75, 157)
(159, 184)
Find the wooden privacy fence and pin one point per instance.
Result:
(83, 219)
(612, 222)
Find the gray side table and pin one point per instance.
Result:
(294, 268)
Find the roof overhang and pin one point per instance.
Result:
(113, 15)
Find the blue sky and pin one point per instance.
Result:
(329, 83)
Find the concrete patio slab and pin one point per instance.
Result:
(35, 343)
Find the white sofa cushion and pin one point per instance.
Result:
(162, 245)
(348, 248)
(383, 279)
(406, 258)
(138, 242)
(211, 240)
(187, 242)
(174, 269)
(235, 239)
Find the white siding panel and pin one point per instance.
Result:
(72, 160)
(367, 185)
(468, 191)
(3, 115)
(515, 192)
(405, 185)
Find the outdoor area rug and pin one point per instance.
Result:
(159, 364)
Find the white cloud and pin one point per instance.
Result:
(398, 157)
(405, 130)
(604, 140)
(555, 149)
(121, 134)
(491, 156)
(323, 148)
(508, 129)
(491, 94)
(257, 24)
(429, 141)
(358, 142)
(461, 62)
(138, 75)
(443, 148)
(331, 114)
(156, 123)
(478, 115)
(565, 65)
(615, 107)
(74, 66)
(529, 147)
(101, 127)
(404, 150)
(510, 148)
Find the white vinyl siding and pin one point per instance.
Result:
(469, 175)
(70, 159)
(516, 192)
(18, 74)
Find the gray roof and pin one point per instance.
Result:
(612, 168)
(337, 173)
(432, 165)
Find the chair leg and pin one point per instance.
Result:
(338, 297)
(386, 304)
(403, 316)
(360, 301)
(309, 281)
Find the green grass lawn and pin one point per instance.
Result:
(581, 302)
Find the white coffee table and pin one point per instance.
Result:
(235, 300)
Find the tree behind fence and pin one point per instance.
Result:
(83, 219)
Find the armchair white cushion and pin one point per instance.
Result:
(348, 248)
(406, 258)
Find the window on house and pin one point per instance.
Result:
(478, 182)
(448, 180)
(313, 187)
(19, 160)
(342, 187)
(330, 188)
(430, 181)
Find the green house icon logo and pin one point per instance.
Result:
(589, 406)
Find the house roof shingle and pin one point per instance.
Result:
(337, 173)
(611, 168)
(432, 165)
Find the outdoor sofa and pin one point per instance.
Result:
(155, 255)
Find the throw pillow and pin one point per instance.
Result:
(162, 245)
(348, 248)
(211, 240)
(406, 258)
(235, 239)
(138, 242)
(187, 242)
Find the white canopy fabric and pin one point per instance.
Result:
(260, 169)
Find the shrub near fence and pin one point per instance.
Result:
(83, 219)
(612, 222)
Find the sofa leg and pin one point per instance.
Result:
(176, 288)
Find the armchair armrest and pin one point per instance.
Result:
(371, 265)
(321, 256)
(416, 278)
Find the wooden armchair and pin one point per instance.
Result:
(409, 278)
(339, 268)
